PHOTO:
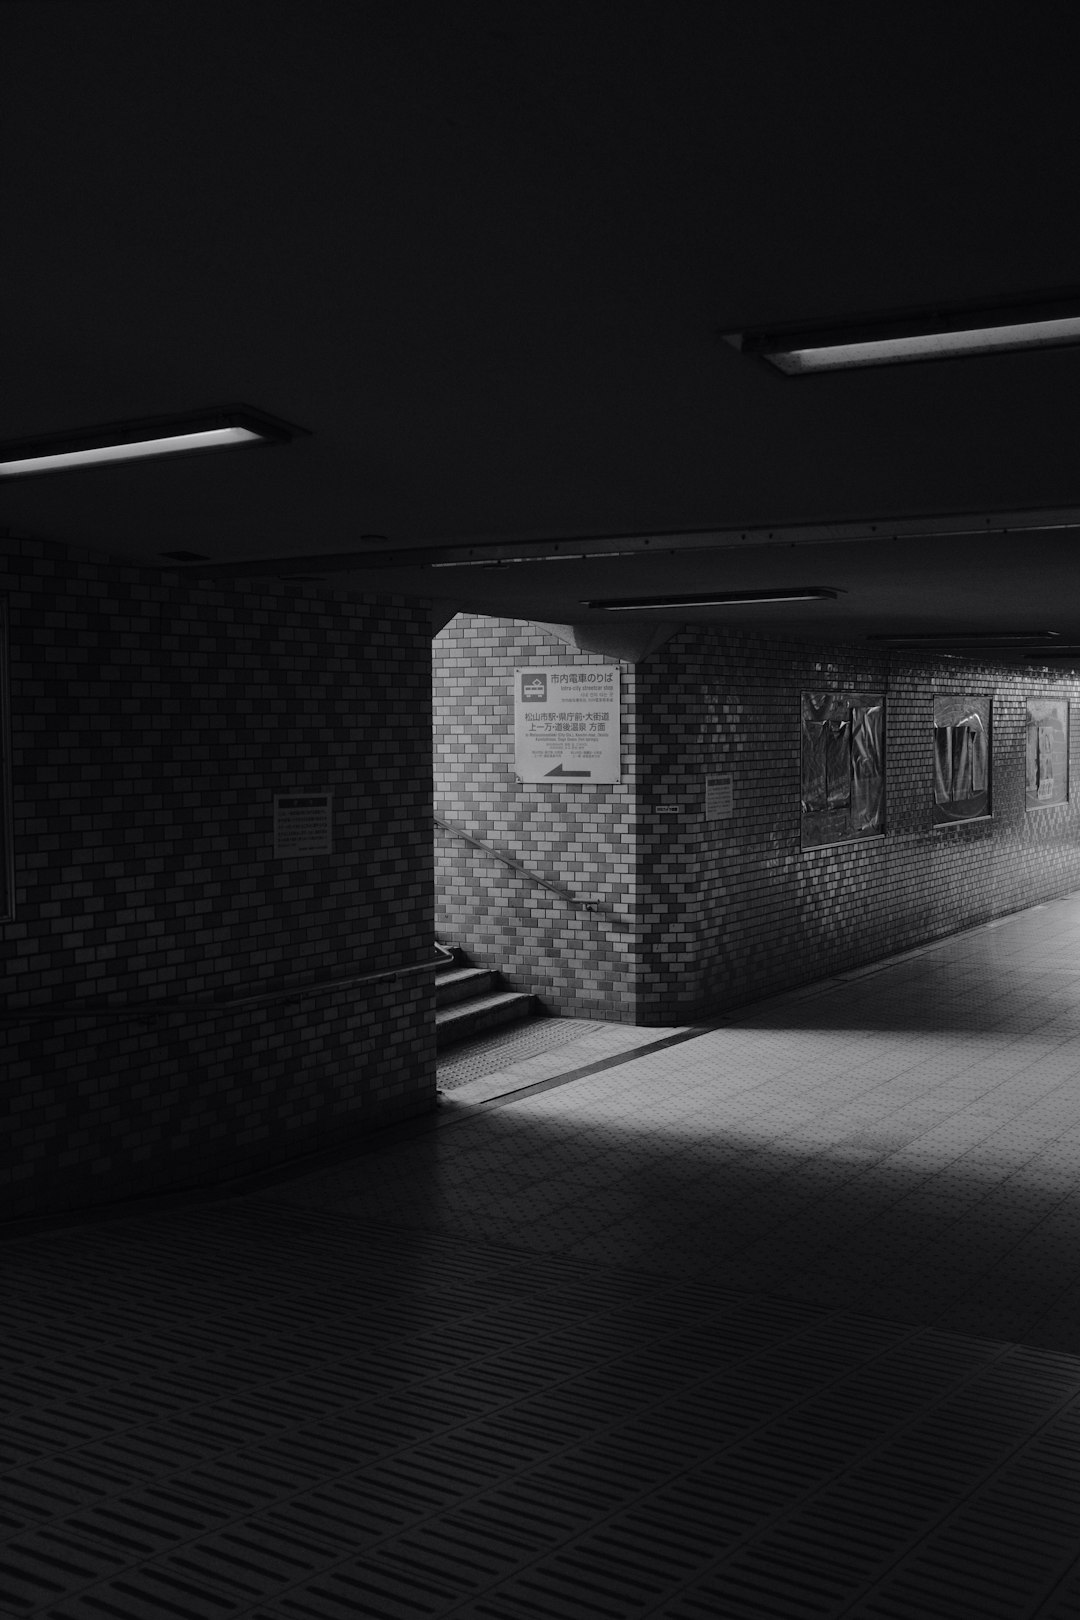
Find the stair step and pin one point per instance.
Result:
(454, 984)
(457, 1023)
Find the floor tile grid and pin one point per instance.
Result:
(872, 1101)
(919, 1553)
(280, 1307)
(800, 1150)
(554, 1194)
(220, 1453)
(414, 1550)
(1007, 1146)
(936, 1165)
(986, 1555)
(536, 1585)
(401, 1550)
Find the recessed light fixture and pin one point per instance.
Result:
(799, 593)
(968, 638)
(219, 428)
(537, 557)
(938, 333)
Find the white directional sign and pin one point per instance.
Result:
(566, 723)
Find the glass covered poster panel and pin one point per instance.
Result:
(961, 759)
(1047, 752)
(843, 767)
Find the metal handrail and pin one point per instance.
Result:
(163, 1006)
(560, 889)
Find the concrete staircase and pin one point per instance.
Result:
(473, 1001)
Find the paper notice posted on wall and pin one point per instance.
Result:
(719, 798)
(303, 824)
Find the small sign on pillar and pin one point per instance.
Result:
(303, 824)
(719, 798)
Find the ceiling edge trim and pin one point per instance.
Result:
(489, 553)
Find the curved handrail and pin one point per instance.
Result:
(560, 889)
(162, 1006)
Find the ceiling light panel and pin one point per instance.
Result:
(929, 346)
(932, 334)
(968, 638)
(219, 428)
(801, 593)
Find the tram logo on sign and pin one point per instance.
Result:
(534, 688)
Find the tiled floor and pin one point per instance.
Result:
(779, 1319)
(492, 1067)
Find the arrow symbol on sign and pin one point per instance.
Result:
(561, 770)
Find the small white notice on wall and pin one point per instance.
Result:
(566, 724)
(719, 798)
(303, 824)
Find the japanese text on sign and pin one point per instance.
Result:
(566, 724)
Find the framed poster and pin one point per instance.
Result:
(1047, 752)
(843, 767)
(962, 762)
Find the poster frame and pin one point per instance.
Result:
(938, 822)
(1049, 697)
(853, 697)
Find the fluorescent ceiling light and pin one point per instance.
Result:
(929, 346)
(932, 334)
(969, 638)
(561, 556)
(216, 429)
(801, 593)
(138, 450)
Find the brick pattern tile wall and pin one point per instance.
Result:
(154, 717)
(724, 912)
(580, 963)
(735, 909)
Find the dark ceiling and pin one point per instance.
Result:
(485, 253)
